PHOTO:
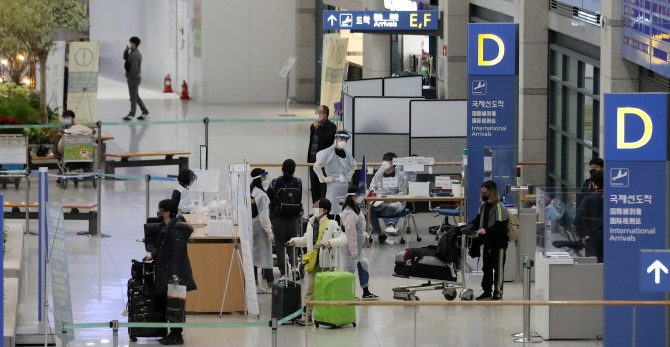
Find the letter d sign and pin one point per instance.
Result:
(480, 49)
(621, 128)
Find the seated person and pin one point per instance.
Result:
(396, 184)
(69, 127)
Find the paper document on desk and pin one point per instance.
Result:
(419, 189)
(207, 181)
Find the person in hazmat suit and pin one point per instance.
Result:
(339, 165)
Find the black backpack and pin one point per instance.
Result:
(254, 208)
(289, 201)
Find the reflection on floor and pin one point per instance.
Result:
(100, 268)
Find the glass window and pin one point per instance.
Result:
(570, 109)
(572, 158)
(588, 121)
(574, 126)
(556, 152)
(572, 70)
(589, 82)
(556, 104)
(556, 64)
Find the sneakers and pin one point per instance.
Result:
(305, 321)
(370, 297)
(128, 117)
(144, 116)
(496, 298)
(172, 340)
(484, 297)
(382, 239)
(391, 230)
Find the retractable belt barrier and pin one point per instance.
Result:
(273, 324)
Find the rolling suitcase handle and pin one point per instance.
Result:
(333, 267)
(288, 270)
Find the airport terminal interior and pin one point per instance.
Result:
(226, 83)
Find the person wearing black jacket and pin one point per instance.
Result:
(589, 219)
(595, 165)
(491, 225)
(172, 262)
(285, 221)
(321, 136)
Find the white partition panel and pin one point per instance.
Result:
(439, 118)
(366, 87)
(375, 145)
(381, 115)
(403, 86)
(348, 111)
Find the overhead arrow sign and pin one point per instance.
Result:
(657, 267)
(332, 19)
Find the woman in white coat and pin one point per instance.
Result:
(262, 229)
(181, 195)
(354, 228)
(339, 165)
(332, 237)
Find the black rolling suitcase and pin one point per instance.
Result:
(142, 302)
(286, 297)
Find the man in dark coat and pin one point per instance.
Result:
(172, 263)
(589, 219)
(321, 136)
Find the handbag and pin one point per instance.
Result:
(176, 303)
(309, 260)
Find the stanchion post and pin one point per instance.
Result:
(147, 179)
(206, 121)
(115, 331)
(273, 325)
(63, 334)
(415, 309)
(527, 337)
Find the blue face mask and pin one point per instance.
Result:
(67, 122)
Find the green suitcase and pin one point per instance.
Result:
(334, 286)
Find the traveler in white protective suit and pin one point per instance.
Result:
(388, 181)
(262, 230)
(339, 165)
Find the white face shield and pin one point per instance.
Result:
(342, 140)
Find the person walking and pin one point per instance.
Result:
(133, 66)
(321, 136)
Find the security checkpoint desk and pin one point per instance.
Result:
(210, 258)
(406, 198)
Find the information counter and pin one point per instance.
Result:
(210, 259)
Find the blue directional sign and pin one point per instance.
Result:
(654, 276)
(381, 20)
(635, 216)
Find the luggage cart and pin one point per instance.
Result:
(13, 156)
(78, 158)
(449, 288)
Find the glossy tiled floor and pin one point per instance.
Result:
(99, 268)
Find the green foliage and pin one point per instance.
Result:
(16, 103)
(41, 136)
(33, 24)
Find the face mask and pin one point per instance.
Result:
(317, 117)
(360, 199)
(317, 212)
(485, 198)
(593, 171)
(340, 144)
(67, 122)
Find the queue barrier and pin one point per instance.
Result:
(525, 303)
(115, 325)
